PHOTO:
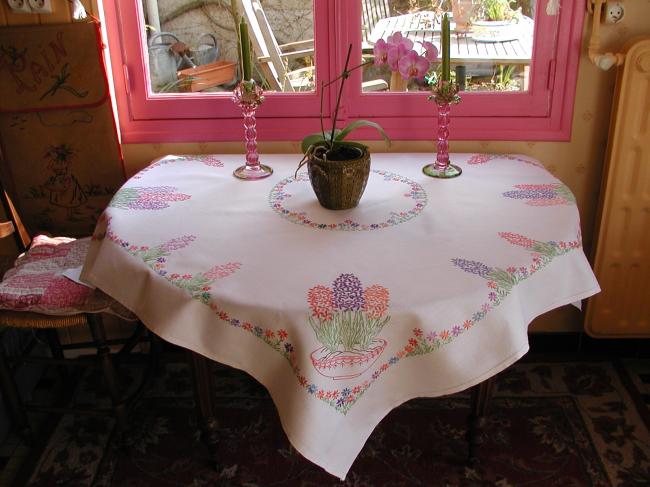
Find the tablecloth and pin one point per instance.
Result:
(425, 289)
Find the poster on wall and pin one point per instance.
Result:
(61, 160)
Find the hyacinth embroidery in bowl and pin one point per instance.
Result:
(205, 159)
(542, 194)
(283, 191)
(346, 319)
(149, 198)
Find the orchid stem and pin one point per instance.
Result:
(343, 77)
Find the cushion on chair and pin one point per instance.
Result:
(36, 282)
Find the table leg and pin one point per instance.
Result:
(203, 390)
(480, 396)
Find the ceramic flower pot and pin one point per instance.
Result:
(339, 184)
(495, 30)
(347, 364)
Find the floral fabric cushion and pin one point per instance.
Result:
(36, 281)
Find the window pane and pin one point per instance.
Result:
(491, 43)
(193, 46)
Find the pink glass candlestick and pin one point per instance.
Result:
(445, 93)
(248, 95)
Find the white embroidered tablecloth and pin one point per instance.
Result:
(425, 289)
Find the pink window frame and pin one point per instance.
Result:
(543, 113)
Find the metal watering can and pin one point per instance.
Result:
(207, 50)
(164, 62)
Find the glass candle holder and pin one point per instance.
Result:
(445, 94)
(249, 95)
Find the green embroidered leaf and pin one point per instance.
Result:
(564, 192)
(503, 278)
(545, 248)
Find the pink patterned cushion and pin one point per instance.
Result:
(36, 282)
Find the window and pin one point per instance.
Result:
(510, 94)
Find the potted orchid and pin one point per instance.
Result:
(338, 169)
(405, 63)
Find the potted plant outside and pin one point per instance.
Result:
(495, 21)
(338, 169)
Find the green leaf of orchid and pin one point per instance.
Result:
(361, 123)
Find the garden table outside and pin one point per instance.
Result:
(463, 49)
(425, 289)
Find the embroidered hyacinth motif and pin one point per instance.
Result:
(346, 319)
(146, 198)
(542, 194)
(342, 318)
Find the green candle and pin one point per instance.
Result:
(445, 48)
(245, 50)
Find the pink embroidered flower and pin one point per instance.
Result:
(412, 66)
(175, 243)
(210, 160)
(480, 158)
(375, 301)
(221, 271)
(517, 239)
(417, 332)
(320, 299)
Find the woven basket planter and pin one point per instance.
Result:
(339, 184)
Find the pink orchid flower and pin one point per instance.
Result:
(413, 66)
(380, 50)
(396, 53)
(430, 51)
(397, 38)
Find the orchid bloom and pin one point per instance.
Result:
(396, 53)
(430, 51)
(397, 38)
(413, 66)
(380, 50)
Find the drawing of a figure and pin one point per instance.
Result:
(64, 188)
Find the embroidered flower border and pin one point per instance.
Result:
(484, 158)
(500, 283)
(206, 159)
(278, 194)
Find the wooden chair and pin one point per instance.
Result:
(35, 295)
(371, 12)
(273, 58)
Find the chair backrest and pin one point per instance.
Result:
(372, 12)
(266, 46)
(61, 161)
